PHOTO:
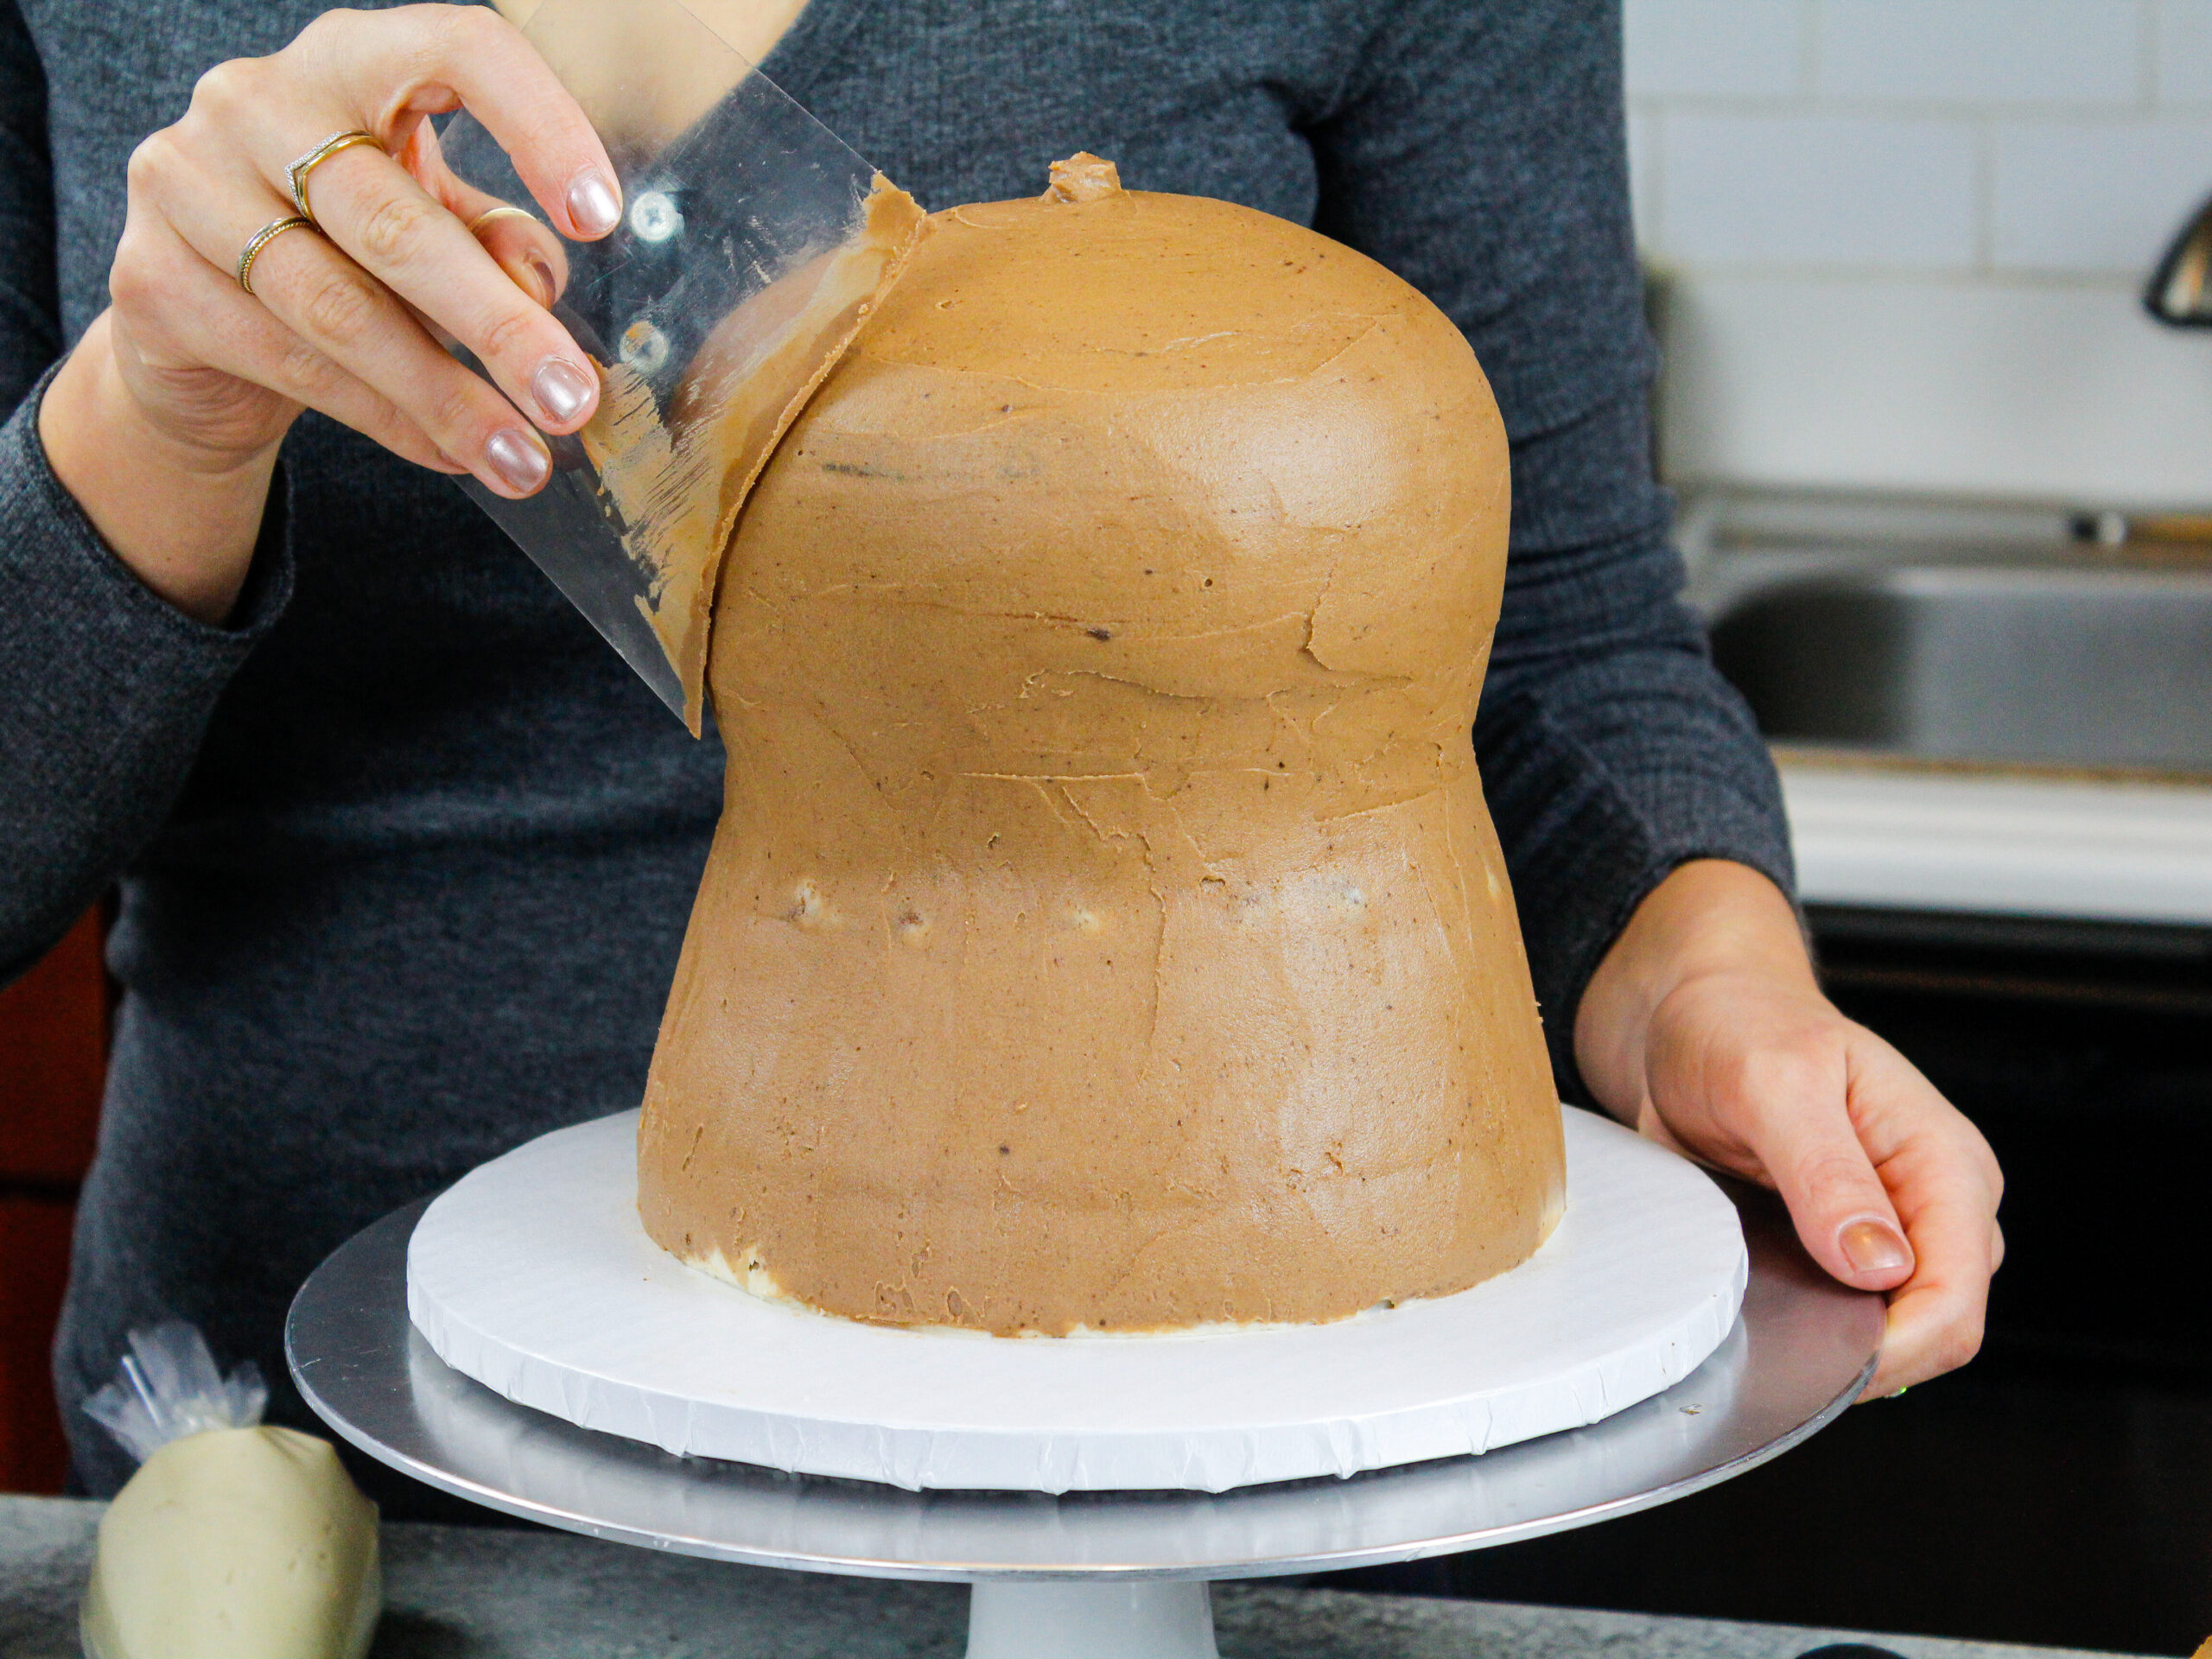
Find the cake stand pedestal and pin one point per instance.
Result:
(1084, 1575)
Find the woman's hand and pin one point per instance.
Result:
(165, 422)
(1705, 1027)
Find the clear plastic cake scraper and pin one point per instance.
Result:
(753, 245)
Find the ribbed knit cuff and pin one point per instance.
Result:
(49, 542)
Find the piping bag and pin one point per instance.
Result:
(235, 1540)
(753, 245)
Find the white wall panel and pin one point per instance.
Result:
(1908, 236)
(2094, 196)
(2032, 392)
(1816, 189)
(1735, 49)
(2183, 70)
(2057, 52)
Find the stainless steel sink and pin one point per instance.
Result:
(2038, 664)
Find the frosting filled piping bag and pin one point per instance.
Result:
(235, 1540)
(753, 245)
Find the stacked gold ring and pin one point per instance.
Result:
(298, 171)
(501, 211)
(262, 238)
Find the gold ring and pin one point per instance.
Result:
(501, 211)
(298, 171)
(262, 238)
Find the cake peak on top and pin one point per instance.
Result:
(1083, 177)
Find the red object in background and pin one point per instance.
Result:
(53, 1025)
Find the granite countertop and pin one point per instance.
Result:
(464, 1593)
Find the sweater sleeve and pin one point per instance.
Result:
(105, 689)
(1479, 152)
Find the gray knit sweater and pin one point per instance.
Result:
(406, 853)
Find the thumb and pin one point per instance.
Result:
(1842, 1211)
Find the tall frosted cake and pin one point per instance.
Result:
(1105, 931)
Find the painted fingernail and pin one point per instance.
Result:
(546, 285)
(1874, 1247)
(561, 390)
(593, 202)
(518, 458)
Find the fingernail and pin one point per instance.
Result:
(518, 458)
(1874, 1247)
(593, 203)
(562, 389)
(546, 285)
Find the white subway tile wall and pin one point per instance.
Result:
(2065, 53)
(1906, 241)
(1717, 48)
(1970, 136)
(1817, 189)
(2093, 196)
(2184, 65)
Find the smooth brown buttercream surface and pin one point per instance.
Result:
(1105, 930)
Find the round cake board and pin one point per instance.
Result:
(534, 1276)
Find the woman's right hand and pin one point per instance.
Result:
(164, 424)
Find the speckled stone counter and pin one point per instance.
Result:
(455, 1592)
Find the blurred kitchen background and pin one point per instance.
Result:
(1946, 493)
(1944, 486)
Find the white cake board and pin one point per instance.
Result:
(533, 1276)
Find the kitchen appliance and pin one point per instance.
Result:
(2177, 294)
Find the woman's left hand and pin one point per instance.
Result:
(1705, 1027)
